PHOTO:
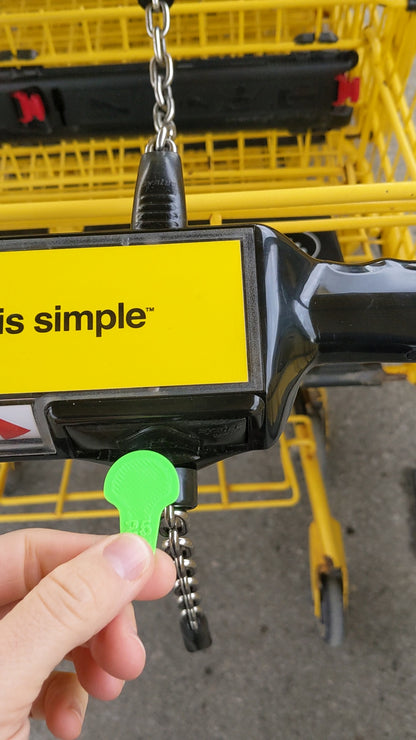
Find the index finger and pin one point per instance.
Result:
(27, 555)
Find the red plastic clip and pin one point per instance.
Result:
(347, 89)
(31, 106)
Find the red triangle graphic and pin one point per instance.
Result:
(10, 431)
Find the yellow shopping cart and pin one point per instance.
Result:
(355, 181)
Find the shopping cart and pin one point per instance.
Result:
(353, 185)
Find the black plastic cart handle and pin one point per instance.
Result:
(295, 313)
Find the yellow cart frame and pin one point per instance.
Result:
(359, 181)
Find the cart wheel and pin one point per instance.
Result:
(332, 609)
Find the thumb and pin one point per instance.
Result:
(65, 609)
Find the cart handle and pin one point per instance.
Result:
(364, 313)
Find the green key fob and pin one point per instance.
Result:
(140, 485)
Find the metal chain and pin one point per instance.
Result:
(161, 77)
(174, 527)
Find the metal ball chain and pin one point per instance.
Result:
(179, 547)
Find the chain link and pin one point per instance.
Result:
(161, 78)
(174, 527)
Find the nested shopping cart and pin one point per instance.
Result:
(343, 183)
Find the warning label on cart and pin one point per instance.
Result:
(17, 422)
(122, 317)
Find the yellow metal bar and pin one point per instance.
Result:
(344, 209)
(352, 223)
(249, 487)
(192, 8)
(390, 104)
(289, 470)
(408, 371)
(326, 545)
(380, 196)
(242, 505)
(4, 470)
(316, 489)
(340, 195)
(223, 486)
(63, 488)
(10, 39)
(49, 499)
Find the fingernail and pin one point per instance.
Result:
(128, 555)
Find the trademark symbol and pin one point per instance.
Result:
(150, 308)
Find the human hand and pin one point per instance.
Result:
(69, 595)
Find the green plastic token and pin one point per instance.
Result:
(140, 485)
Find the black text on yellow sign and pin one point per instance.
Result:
(59, 320)
(117, 317)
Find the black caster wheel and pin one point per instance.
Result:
(332, 609)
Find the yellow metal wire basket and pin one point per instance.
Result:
(360, 179)
(63, 32)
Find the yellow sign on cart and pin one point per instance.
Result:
(122, 317)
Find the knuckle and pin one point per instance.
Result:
(32, 572)
(66, 601)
